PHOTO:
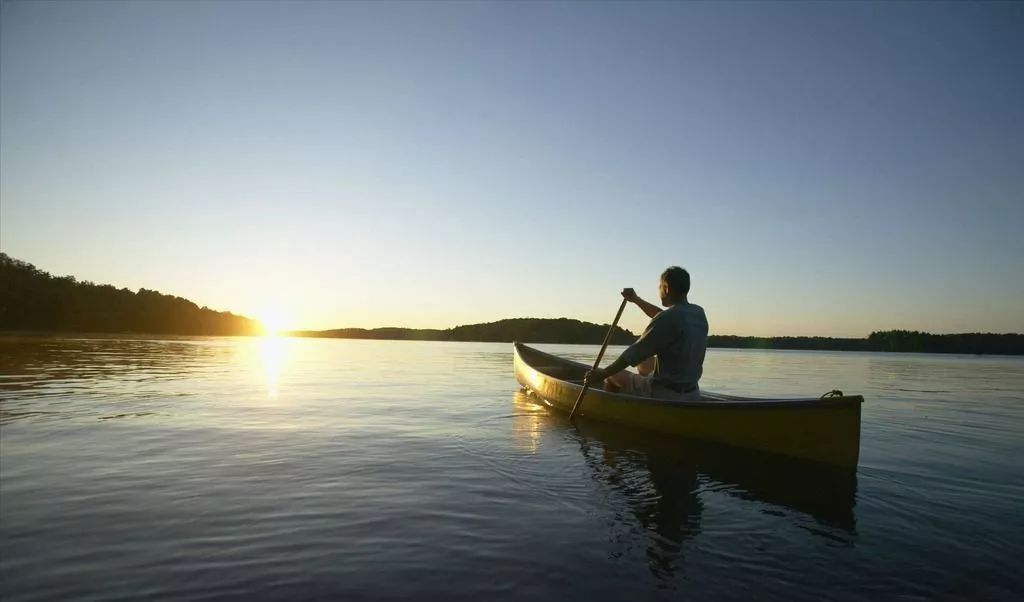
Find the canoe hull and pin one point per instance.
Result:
(826, 431)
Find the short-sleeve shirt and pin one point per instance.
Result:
(679, 337)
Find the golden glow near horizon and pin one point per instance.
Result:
(275, 321)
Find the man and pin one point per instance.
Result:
(670, 352)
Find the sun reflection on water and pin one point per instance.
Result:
(273, 351)
(528, 422)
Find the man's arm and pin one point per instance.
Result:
(648, 308)
(596, 376)
(655, 337)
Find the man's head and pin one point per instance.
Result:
(674, 286)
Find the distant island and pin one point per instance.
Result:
(526, 330)
(32, 300)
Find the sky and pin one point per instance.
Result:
(820, 168)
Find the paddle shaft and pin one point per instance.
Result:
(597, 362)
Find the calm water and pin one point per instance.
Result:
(288, 469)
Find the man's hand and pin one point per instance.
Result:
(595, 376)
(650, 309)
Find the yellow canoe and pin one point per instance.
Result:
(825, 430)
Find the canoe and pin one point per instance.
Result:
(818, 429)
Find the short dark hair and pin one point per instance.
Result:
(677, 279)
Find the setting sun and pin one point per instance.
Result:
(274, 321)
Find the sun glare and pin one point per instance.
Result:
(273, 351)
(274, 321)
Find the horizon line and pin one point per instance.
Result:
(752, 336)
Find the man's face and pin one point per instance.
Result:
(663, 292)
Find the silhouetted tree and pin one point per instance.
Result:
(33, 300)
(924, 342)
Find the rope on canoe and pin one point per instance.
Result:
(832, 393)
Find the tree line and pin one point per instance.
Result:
(34, 300)
(907, 341)
(564, 330)
(527, 330)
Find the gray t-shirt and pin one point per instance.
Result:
(678, 336)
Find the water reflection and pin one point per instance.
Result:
(273, 350)
(666, 483)
(529, 421)
(78, 376)
(661, 494)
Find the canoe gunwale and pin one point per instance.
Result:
(728, 403)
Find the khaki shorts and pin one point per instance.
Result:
(644, 386)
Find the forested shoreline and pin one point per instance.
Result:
(542, 330)
(905, 341)
(33, 301)
(526, 330)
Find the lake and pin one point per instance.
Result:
(261, 469)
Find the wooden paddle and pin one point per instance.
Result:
(597, 362)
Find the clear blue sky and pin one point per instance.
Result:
(820, 168)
